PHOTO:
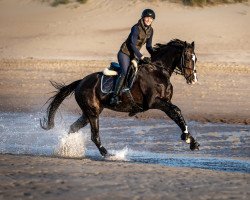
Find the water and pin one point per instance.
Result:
(223, 147)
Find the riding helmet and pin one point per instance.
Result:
(148, 13)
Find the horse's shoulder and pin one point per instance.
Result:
(153, 76)
(148, 68)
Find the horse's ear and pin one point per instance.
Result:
(185, 44)
(192, 44)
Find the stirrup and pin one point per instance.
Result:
(115, 101)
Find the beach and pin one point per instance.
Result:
(40, 43)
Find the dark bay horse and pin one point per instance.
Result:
(151, 90)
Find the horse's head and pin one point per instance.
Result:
(187, 63)
(178, 56)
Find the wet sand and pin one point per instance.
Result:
(27, 177)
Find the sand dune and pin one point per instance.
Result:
(95, 30)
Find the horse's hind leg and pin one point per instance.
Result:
(78, 124)
(94, 123)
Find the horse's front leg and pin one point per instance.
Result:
(175, 114)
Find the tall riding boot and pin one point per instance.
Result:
(118, 86)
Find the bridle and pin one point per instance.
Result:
(180, 69)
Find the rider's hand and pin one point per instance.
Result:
(146, 60)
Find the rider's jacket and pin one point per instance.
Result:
(139, 35)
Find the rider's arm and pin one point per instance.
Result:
(133, 38)
(149, 44)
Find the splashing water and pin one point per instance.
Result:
(119, 154)
(71, 146)
(27, 137)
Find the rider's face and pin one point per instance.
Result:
(148, 21)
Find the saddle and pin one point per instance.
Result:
(108, 82)
(111, 73)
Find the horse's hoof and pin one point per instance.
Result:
(109, 155)
(103, 151)
(194, 146)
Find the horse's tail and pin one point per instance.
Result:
(63, 91)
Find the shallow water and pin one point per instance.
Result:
(224, 147)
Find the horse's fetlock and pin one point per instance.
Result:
(186, 137)
(188, 140)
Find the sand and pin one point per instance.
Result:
(26, 177)
(39, 43)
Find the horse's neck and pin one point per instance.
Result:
(168, 62)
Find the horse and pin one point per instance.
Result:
(151, 89)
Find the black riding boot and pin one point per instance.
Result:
(118, 86)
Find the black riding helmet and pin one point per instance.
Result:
(148, 13)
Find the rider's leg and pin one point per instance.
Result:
(124, 62)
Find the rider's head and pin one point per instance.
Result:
(148, 16)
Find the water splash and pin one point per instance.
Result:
(71, 146)
(119, 154)
(27, 137)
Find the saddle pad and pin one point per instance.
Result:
(107, 84)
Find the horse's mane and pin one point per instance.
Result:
(160, 50)
(173, 43)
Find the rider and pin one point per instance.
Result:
(141, 33)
